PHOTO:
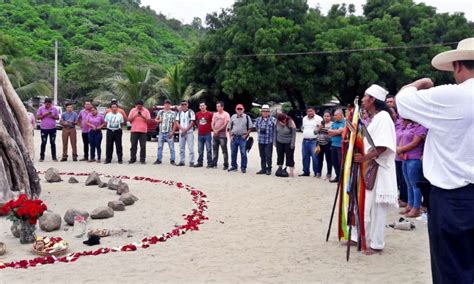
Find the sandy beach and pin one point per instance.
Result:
(260, 229)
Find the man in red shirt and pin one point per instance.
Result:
(204, 120)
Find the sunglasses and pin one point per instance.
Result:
(265, 110)
(240, 109)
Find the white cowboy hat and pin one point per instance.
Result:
(464, 51)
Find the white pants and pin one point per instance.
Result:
(375, 216)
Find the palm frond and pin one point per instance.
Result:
(38, 88)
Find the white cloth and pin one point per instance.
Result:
(377, 92)
(375, 216)
(310, 125)
(382, 131)
(448, 112)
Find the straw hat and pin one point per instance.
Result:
(464, 51)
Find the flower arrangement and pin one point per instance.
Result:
(24, 209)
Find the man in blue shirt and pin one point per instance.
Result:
(265, 125)
(68, 122)
(337, 127)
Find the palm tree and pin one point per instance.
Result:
(132, 84)
(174, 87)
(20, 71)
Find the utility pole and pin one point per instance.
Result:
(55, 88)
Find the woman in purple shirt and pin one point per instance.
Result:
(95, 121)
(410, 150)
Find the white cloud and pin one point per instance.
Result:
(186, 10)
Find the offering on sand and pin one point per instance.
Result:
(49, 246)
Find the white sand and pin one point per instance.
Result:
(260, 229)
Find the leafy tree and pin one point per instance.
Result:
(174, 87)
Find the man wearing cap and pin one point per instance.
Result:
(311, 124)
(265, 125)
(119, 109)
(166, 119)
(185, 121)
(448, 161)
(139, 117)
(48, 114)
(384, 194)
(239, 128)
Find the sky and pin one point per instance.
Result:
(186, 10)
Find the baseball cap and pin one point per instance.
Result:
(239, 106)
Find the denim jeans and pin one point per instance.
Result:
(187, 138)
(401, 184)
(205, 140)
(162, 138)
(222, 142)
(52, 140)
(266, 151)
(95, 139)
(235, 144)
(308, 153)
(325, 151)
(413, 173)
(336, 160)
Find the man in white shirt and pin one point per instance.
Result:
(185, 121)
(311, 124)
(448, 161)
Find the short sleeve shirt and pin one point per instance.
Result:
(185, 117)
(167, 120)
(310, 125)
(204, 121)
(114, 120)
(70, 117)
(336, 141)
(409, 133)
(48, 122)
(83, 114)
(96, 120)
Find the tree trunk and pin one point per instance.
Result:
(15, 135)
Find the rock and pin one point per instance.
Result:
(116, 205)
(123, 188)
(52, 175)
(72, 180)
(93, 179)
(114, 183)
(15, 230)
(102, 184)
(71, 213)
(50, 222)
(128, 199)
(102, 213)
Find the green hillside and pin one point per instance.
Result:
(96, 38)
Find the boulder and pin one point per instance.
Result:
(123, 188)
(50, 222)
(72, 180)
(114, 183)
(116, 205)
(52, 175)
(128, 199)
(102, 213)
(71, 213)
(102, 184)
(93, 179)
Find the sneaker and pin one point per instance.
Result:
(243, 171)
(225, 168)
(317, 175)
(142, 162)
(157, 162)
(334, 180)
(84, 160)
(210, 166)
(261, 172)
(74, 159)
(268, 172)
(181, 164)
(63, 159)
(107, 162)
(172, 163)
(120, 162)
(90, 161)
(232, 169)
(304, 175)
(197, 166)
(131, 162)
(191, 165)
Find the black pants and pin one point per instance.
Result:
(401, 184)
(325, 151)
(336, 160)
(52, 140)
(451, 233)
(134, 138)
(285, 151)
(113, 137)
(222, 142)
(266, 151)
(85, 141)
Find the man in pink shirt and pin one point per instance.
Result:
(219, 135)
(138, 117)
(48, 114)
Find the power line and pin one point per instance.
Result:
(329, 52)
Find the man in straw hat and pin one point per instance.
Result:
(448, 162)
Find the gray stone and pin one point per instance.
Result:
(123, 188)
(102, 213)
(93, 179)
(128, 199)
(114, 183)
(71, 213)
(50, 221)
(102, 184)
(72, 180)
(52, 175)
(116, 205)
